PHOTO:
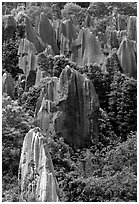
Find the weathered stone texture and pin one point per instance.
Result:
(70, 105)
(36, 173)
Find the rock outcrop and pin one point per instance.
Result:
(32, 36)
(27, 56)
(132, 28)
(86, 49)
(46, 102)
(36, 174)
(72, 104)
(47, 33)
(8, 85)
(127, 57)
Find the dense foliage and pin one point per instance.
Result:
(10, 57)
(106, 171)
(96, 175)
(117, 94)
(100, 9)
(15, 124)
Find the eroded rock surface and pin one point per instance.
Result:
(36, 174)
(8, 85)
(69, 105)
(127, 57)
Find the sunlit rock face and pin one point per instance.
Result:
(69, 105)
(8, 85)
(36, 174)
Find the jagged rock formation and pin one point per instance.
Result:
(89, 21)
(46, 102)
(36, 174)
(86, 49)
(8, 85)
(127, 57)
(70, 104)
(31, 35)
(132, 28)
(28, 61)
(27, 58)
(78, 105)
(47, 33)
(68, 33)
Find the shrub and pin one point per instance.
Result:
(10, 57)
(98, 9)
(11, 189)
(53, 66)
(123, 156)
(107, 135)
(123, 105)
(117, 181)
(70, 8)
(16, 123)
(34, 11)
(28, 99)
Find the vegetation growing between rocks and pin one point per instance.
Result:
(107, 170)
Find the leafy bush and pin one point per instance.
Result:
(123, 105)
(16, 123)
(34, 11)
(10, 189)
(109, 189)
(28, 99)
(113, 171)
(107, 135)
(53, 66)
(100, 9)
(10, 57)
(107, 171)
(125, 8)
(70, 8)
(123, 156)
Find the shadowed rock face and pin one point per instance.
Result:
(76, 105)
(127, 57)
(76, 108)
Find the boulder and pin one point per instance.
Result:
(36, 177)
(73, 108)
